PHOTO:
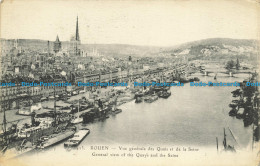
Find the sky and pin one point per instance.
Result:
(143, 22)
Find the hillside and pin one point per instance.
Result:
(214, 48)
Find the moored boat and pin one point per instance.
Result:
(55, 139)
(164, 94)
(232, 105)
(18, 151)
(139, 94)
(150, 99)
(138, 100)
(28, 111)
(77, 138)
(233, 112)
(77, 120)
(116, 111)
(24, 111)
(240, 113)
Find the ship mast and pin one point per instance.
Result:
(55, 116)
(225, 140)
(54, 89)
(78, 108)
(4, 125)
(4, 120)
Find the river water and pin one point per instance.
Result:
(191, 116)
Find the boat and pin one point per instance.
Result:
(164, 94)
(27, 131)
(235, 101)
(77, 138)
(158, 88)
(236, 93)
(55, 139)
(183, 80)
(28, 111)
(66, 109)
(139, 94)
(151, 98)
(74, 93)
(51, 97)
(227, 147)
(194, 79)
(44, 99)
(232, 105)
(215, 77)
(43, 138)
(82, 91)
(116, 111)
(248, 120)
(240, 113)
(36, 107)
(233, 112)
(78, 118)
(18, 151)
(138, 100)
(45, 116)
(24, 111)
(166, 88)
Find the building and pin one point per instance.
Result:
(57, 45)
(75, 42)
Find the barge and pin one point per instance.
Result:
(55, 139)
(77, 138)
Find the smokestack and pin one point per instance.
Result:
(48, 47)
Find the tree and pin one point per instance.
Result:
(237, 65)
(230, 64)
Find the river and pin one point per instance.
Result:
(191, 116)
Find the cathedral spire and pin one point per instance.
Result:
(57, 39)
(77, 31)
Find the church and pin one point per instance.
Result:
(75, 49)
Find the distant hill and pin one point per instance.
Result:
(123, 49)
(213, 48)
(220, 41)
(216, 48)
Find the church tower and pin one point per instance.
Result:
(57, 45)
(75, 42)
(77, 32)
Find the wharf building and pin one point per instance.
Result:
(21, 96)
(16, 96)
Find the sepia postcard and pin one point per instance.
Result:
(128, 82)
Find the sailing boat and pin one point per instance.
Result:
(116, 110)
(78, 119)
(226, 146)
(215, 77)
